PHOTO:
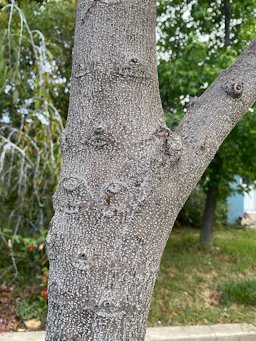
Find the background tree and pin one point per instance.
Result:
(196, 39)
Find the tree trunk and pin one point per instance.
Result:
(227, 14)
(208, 216)
(206, 234)
(125, 175)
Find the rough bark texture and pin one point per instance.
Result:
(125, 175)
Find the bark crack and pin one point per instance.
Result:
(127, 69)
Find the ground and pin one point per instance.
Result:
(8, 319)
(189, 286)
(194, 285)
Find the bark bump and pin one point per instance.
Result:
(174, 147)
(99, 138)
(132, 69)
(127, 68)
(235, 88)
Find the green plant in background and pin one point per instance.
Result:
(196, 40)
(35, 67)
(34, 85)
(189, 286)
(191, 213)
(35, 306)
(241, 292)
(30, 309)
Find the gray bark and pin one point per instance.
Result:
(125, 175)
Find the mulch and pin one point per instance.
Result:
(8, 319)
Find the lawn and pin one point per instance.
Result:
(195, 286)
(206, 286)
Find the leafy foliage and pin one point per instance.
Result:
(192, 211)
(34, 82)
(27, 310)
(192, 52)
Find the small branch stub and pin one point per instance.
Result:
(235, 88)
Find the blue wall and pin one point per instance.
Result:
(235, 204)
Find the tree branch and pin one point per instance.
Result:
(211, 117)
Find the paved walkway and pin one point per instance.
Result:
(219, 332)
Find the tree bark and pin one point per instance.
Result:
(125, 175)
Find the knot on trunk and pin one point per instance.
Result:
(235, 88)
(100, 138)
(131, 69)
(70, 195)
(85, 258)
(115, 187)
(116, 199)
(172, 144)
(174, 147)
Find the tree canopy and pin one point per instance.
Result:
(196, 40)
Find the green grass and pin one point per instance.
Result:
(241, 292)
(195, 285)
(204, 286)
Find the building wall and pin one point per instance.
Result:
(249, 201)
(238, 203)
(235, 203)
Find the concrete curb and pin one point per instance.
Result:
(218, 332)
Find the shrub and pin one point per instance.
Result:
(191, 214)
(26, 310)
